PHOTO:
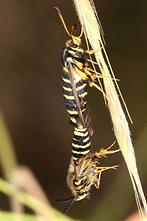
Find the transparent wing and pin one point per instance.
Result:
(77, 99)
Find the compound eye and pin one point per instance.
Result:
(76, 182)
(74, 45)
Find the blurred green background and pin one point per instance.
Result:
(31, 40)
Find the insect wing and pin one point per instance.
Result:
(74, 90)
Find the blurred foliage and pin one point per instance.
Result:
(8, 159)
(7, 216)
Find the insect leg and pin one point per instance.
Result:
(91, 52)
(103, 152)
(100, 170)
(97, 182)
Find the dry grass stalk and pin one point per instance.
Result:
(89, 20)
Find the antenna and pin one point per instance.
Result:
(62, 20)
(71, 202)
(73, 28)
(82, 32)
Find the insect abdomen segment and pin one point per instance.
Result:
(70, 102)
(81, 142)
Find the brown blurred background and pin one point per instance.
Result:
(31, 39)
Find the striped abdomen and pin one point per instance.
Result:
(81, 142)
(70, 102)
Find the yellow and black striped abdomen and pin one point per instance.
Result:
(81, 142)
(70, 102)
